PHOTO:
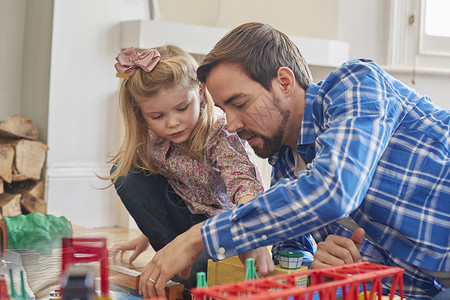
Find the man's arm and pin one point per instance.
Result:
(176, 257)
(262, 257)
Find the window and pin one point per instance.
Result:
(436, 19)
(435, 27)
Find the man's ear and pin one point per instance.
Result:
(286, 79)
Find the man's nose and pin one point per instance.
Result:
(234, 123)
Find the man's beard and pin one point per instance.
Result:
(270, 144)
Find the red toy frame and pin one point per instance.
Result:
(348, 277)
(81, 250)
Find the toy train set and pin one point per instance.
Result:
(362, 280)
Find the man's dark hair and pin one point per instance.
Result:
(260, 50)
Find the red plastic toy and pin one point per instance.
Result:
(3, 289)
(82, 250)
(347, 277)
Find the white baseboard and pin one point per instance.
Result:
(77, 193)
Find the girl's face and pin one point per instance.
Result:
(172, 113)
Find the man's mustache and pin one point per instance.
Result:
(245, 134)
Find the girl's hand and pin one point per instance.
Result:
(138, 245)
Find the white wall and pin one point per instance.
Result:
(12, 16)
(365, 26)
(83, 126)
(59, 57)
(362, 24)
(318, 18)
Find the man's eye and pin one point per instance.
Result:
(239, 105)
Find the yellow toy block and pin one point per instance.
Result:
(231, 269)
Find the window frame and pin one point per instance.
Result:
(429, 44)
(409, 46)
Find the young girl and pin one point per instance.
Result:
(178, 164)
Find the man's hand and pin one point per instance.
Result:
(176, 257)
(338, 250)
(263, 261)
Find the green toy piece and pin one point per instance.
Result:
(250, 270)
(201, 282)
(12, 294)
(24, 293)
(201, 279)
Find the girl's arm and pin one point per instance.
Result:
(238, 171)
(244, 199)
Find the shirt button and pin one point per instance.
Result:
(264, 237)
(222, 250)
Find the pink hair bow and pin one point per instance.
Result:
(128, 60)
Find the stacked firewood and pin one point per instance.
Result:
(22, 159)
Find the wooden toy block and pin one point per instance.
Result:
(174, 290)
(124, 276)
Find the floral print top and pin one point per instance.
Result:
(214, 185)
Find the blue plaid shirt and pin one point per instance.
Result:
(377, 151)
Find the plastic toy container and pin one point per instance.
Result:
(290, 259)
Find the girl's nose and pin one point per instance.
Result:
(172, 122)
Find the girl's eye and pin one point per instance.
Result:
(183, 108)
(155, 117)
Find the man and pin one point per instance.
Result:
(376, 155)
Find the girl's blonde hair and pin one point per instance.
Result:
(176, 69)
